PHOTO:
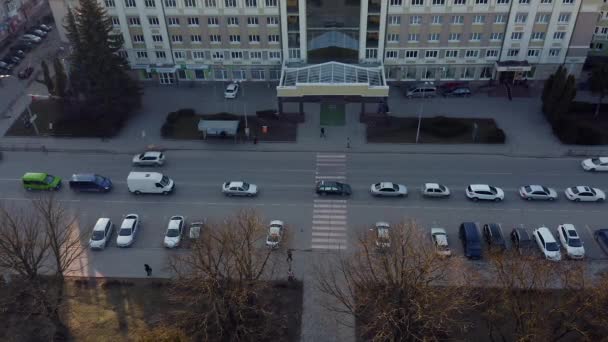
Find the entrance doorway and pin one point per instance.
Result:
(333, 114)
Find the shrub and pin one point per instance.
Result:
(444, 127)
(166, 129)
(185, 113)
(270, 114)
(582, 107)
(172, 117)
(496, 136)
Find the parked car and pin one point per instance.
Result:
(175, 229)
(239, 188)
(571, 241)
(440, 241)
(275, 234)
(547, 244)
(37, 32)
(12, 59)
(18, 53)
(25, 73)
(484, 192)
(332, 188)
(421, 91)
(601, 236)
(492, 233)
(595, 164)
(149, 158)
(585, 194)
(458, 92)
(195, 230)
(40, 181)
(47, 28)
(22, 46)
(388, 189)
(471, 242)
(383, 236)
(232, 90)
(537, 192)
(102, 232)
(31, 37)
(6, 66)
(521, 240)
(149, 183)
(449, 86)
(128, 231)
(435, 190)
(90, 182)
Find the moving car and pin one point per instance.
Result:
(601, 236)
(40, 181)
(585, 194)
(231, 91)
(388, 189)
(521, 240)
(537, 192)
(595, 164)
(149, 158)
(492, 233)
(128, 230)
(571, 241)
(90, 182)
(547, 244)
(332, 188)
(458, 92)
(149, 183)
(383, 237)
(237, 188)
(175, 229)
(484, 192)
(440, 241)
(275, 234)
(421, 91)
(435, 190)
(102, 231)
(25, 73)
(471, 242)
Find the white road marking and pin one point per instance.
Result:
(326, 246)
(329, 217)
(329, 211)
(333, 206)
(316, 200)
(329, 234)
(328, 240)
(334, 228)
(330, 177)
(328, 222)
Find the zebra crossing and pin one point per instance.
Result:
(329, 216)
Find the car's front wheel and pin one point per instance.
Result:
(497, 200)
(137, 192)
(577, 200)
(600, 200)
(551, 199)
(475, 199)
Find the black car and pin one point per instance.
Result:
(25, 73)
(601, 236)
(522, 240)
(471, 242)
(18, 53)
(458, 92)
(492, 233)
(5, 67)
(332, 188)
(88, 182)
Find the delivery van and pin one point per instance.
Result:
(149, 183)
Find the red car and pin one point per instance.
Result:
(25, 73)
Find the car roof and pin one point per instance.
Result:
(382, 224)
(535, 187)
(431, 185)
(603, 233)
(386, 184)
(236, 183)
(276, 223)
(174, 222)
(152, 154)
(546, 233)
(101, 223)
(274, 230)
(83, 177)
(438, 230)
(35, 176)
(442, 239)
(231, 86)
(523, 233)
(128, 223)
(476, 187)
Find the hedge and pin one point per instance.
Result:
(444, 127)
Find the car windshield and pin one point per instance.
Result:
(493, 189)
(172, 232)
(97, 235)
(595, 161)
(395, 187)
(164, 181)
(273, 238)
(100, 180)
(575, 243)
(141, 156)
(124, 232)
(442, 188)
(377, 186)
(575, 190)
(49, 179)
(528, 188)
(552, 247)
(245, 186)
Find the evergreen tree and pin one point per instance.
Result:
(555, 92)
(47, 81)
(562, 103)
(60, 79)
(599, 84)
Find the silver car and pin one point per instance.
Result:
(150, 158)
(239, 189)
(537, 192)
(388, 189)
(435, 190)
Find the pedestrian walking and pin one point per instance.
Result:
(290, 276)
(148, 269)
(289, 256)
(348, 142)
(323, 132)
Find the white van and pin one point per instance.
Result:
(149, 183)
(422, 91)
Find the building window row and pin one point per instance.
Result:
(520, 19)
(487, 53)
(198, 3)
(416, 3)
(214, 55)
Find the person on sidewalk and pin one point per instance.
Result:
(289, 256)
(148, 269)
(348, 142)
(323, 132)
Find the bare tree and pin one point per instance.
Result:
(221, 282)
(404, 293)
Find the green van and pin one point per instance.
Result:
(40, 181)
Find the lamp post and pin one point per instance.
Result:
(420, 115)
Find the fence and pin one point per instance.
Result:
(586, 153)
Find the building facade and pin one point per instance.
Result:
(169, 41)
(599, 44)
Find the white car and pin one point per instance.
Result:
(150, 158)
(440, 240)
(102, 231)
(484, 192)
(595, 164)
(275, 234)
(239, 189)
(388, 189)
(547, 244)
(175, 229)
(383, 236)
(571, 241)
(231, 91)
(435, 190)
(32, 37)
(585, 194)
(537, 192)
(128, 230)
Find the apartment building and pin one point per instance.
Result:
(169, 41)
(599, 43)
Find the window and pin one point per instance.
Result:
(481, 2)
(460, 2)
(258, 74)
(198, 55)
(161, 54)
(520, 18)
(438, 2)
(417, 2)
(138, 38)
(215, 39)
(134, 21)
(173, 21)
(604, 30)
(230, 3)
(273, 39)
(193, 21)
(542, 18)
(234, 39)
(491, 53)
(272, 21)
(213, 21)
(190, 3)
(236, 54)
(251, 3)
(394, 20)
(467, 73)
(451, 53)
(454, 37)
(513, 52)
(210, 3)
(255, 54)
(415, 20)
(433, 37)
(546, 1)
(150, 3)
(568, 2)
(471, 53)
(413, 37)
(233, 21)
(563, 18)
(411, 54)
(502, 2)
(153, 21)
(537, 36)
(115, 21)
(516, 35)
(252, 21)
(475, 36)
(500, 19)
(123, 54)
(142, 54)
(457, 19)
(217, 55)
(554, 52)
(130, 3)
(157, 38)
(479, 19)
(496, 36)
(196, 38)
(391, 54)
(274, 54)
(533, 52)
(392, 38)
(110, 3)
(486, 73)
(271, 3)
(437, 20)
(431, 53)
(179, 54)
(170, 3)
(220, 74)
(524, 2)
(177, 39)
(396, 3)
(254, 38)
(559, 35)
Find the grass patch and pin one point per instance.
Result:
(435, 130)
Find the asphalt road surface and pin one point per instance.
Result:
(286, 182)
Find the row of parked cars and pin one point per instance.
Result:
(448, 89)
(17, 51)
